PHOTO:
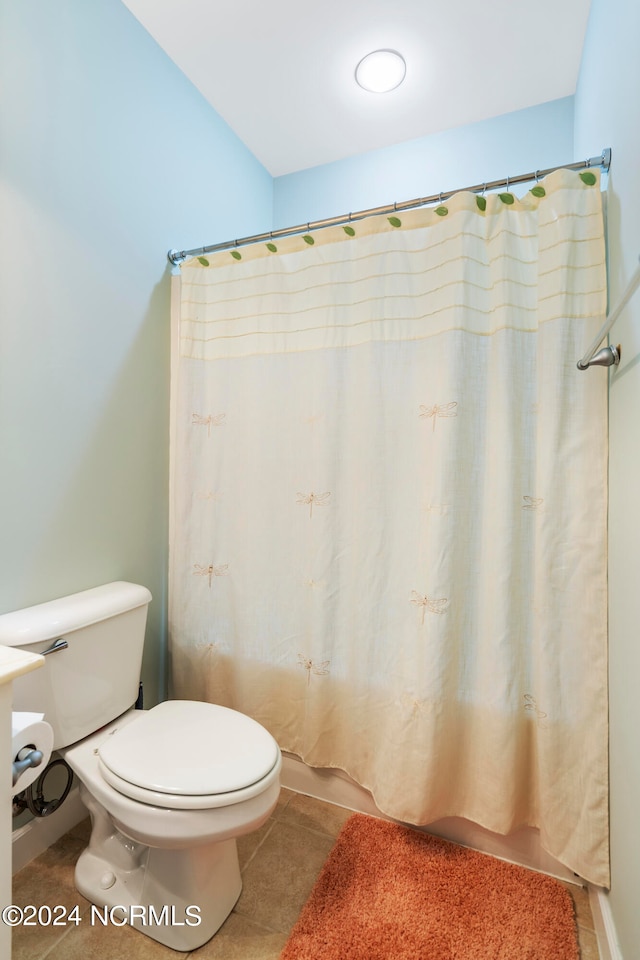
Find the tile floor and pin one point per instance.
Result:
(279, 863)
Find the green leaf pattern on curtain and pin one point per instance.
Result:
(508, 199)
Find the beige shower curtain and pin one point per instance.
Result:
(389, 506)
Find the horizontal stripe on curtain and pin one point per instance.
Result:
(389, 495)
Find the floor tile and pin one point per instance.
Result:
(580, 897)
(110, 942)
(280, 863)
(588, 945)
(584, 917)
(47, 882)
(276, 883)
(315, 815)
(82, 831)
(240, 938)
(250, 843)
(286, 796)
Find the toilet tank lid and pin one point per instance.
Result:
(55, 618)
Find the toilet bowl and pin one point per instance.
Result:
(162, 808)
(168, 789)
(164, 836)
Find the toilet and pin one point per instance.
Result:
(168, 789)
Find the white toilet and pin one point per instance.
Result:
(168, 789)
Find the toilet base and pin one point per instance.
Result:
(178, 897)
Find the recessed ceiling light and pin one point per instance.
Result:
(381, 71)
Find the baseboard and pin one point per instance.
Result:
(334, 786)
(29, 841)
(603, 924)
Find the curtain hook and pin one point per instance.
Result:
(484, 188)
(507, 184)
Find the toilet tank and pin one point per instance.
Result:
(94, 678)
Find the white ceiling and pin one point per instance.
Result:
(281, 72)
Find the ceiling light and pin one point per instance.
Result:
(381, 71)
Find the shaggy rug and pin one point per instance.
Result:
(387, 892)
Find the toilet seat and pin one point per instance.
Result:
(185, 754)
(171, 801)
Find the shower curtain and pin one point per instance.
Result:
(389, 506)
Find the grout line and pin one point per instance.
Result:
(272, 823)
(55, 945)
(316, 833)
(260, 923)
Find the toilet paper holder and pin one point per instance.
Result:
(25, 758)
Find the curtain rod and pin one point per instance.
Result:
(177, 256)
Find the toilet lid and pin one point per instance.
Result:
(190, 748)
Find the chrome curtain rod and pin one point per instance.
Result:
(177, 256)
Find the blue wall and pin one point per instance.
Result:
(109, 158)
(514, 143)
(607, 111)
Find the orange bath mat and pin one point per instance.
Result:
(390, 893)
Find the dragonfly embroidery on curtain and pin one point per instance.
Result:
(440, 509)
(208, 495)
(210, 571)
(313, 584)
(415, 706)
(314, 499)
(427, 603)
(532, 503)
(438, 410)
(211, 420)
(319, 669)
(531, 704)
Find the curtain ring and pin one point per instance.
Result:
(507, 183)
(484, 189)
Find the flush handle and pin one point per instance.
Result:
(59, 644)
